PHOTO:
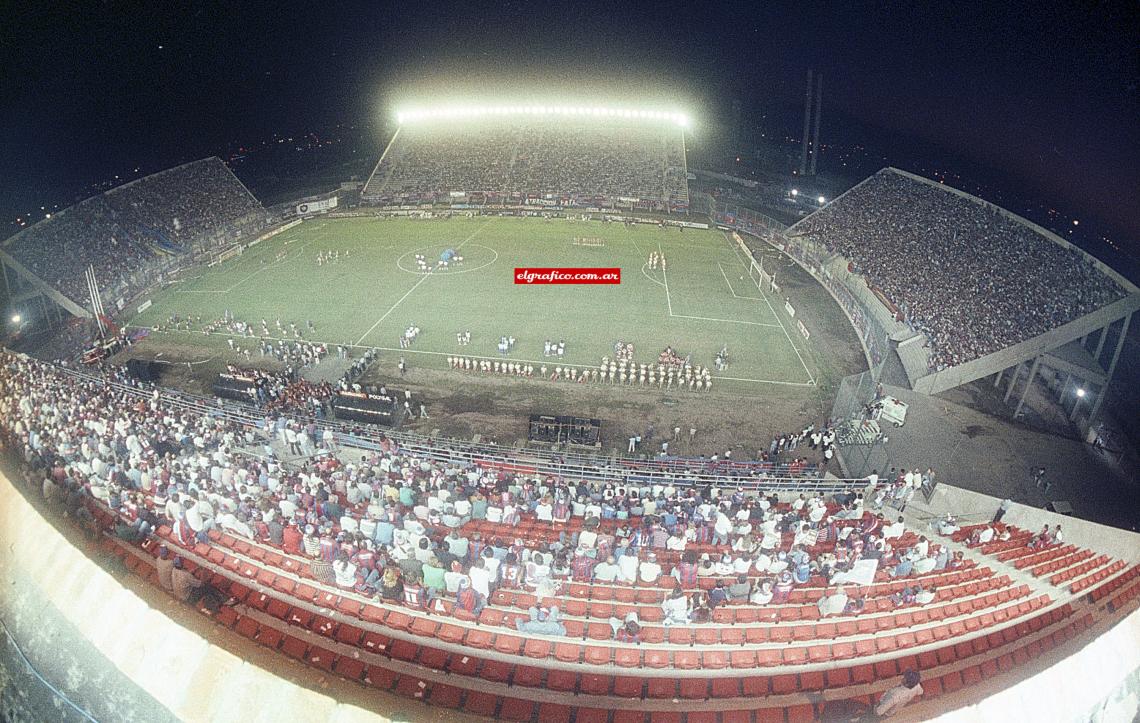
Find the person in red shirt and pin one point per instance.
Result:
(292, 539)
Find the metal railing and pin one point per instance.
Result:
(751, 476)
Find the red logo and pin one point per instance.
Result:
(567, 276)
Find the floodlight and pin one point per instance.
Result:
(821, 200)
(16, 318)
(795, 192)
(1081, 392)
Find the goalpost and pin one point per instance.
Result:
(763, 280)
(591, 241)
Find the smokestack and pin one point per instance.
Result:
(807, 126)
(818, 111)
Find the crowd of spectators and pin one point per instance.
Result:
(391, 524)
(561, 160)
(126, 232)
(971, 278)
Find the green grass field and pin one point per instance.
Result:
(367, 298)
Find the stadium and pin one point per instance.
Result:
(397, 478)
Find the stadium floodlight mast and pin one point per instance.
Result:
(1081, 392)
(463, 112)
(821, 200)
(16, 318)
(795, 192)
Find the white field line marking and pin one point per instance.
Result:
(724, 321)
(665, 276)
(550, 362)
(730, 289)
(238, 283)
(643, 266)
(811, 379)
(414, 287)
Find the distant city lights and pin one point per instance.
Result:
(464, 112)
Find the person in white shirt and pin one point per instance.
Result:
(649, 570)
(721, 529)
(345, 572)
(899, 696)
(923, 565)
(986, 535)
(480, 579)
(895, 529)
(676, 542)
(627, 568)
(833, 604)
(452, 578)
(762, 593)
(676, 608)
(606, 571)
(924, 597)
(587, 539)
(543, 512)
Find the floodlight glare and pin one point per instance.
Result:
(408, 115)
(795, 192)
(16, 318)
(1080, 392)
(821, 200)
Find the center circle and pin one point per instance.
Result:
(431, 254)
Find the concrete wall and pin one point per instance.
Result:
(975, 507)
(189, 677)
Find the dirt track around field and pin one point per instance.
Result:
(462, 404)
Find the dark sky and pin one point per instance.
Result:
(1045, 93)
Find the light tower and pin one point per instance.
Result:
(807, 126)
(818, 112)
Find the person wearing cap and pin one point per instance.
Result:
(649, 571)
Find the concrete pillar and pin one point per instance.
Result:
(1077, 401)
(1095, 411)
(1012, 382)
(1028, 384)
(1100, 342)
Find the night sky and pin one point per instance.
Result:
(1045, 94)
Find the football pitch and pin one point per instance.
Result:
(702, 301)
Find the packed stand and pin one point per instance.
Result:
(185, 204)
(965, 274)
(561, 160)
(404, 529)
(127, 232)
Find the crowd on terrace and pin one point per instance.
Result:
(970, 277)
(563, 159)
(123, 232)
(400, 527)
